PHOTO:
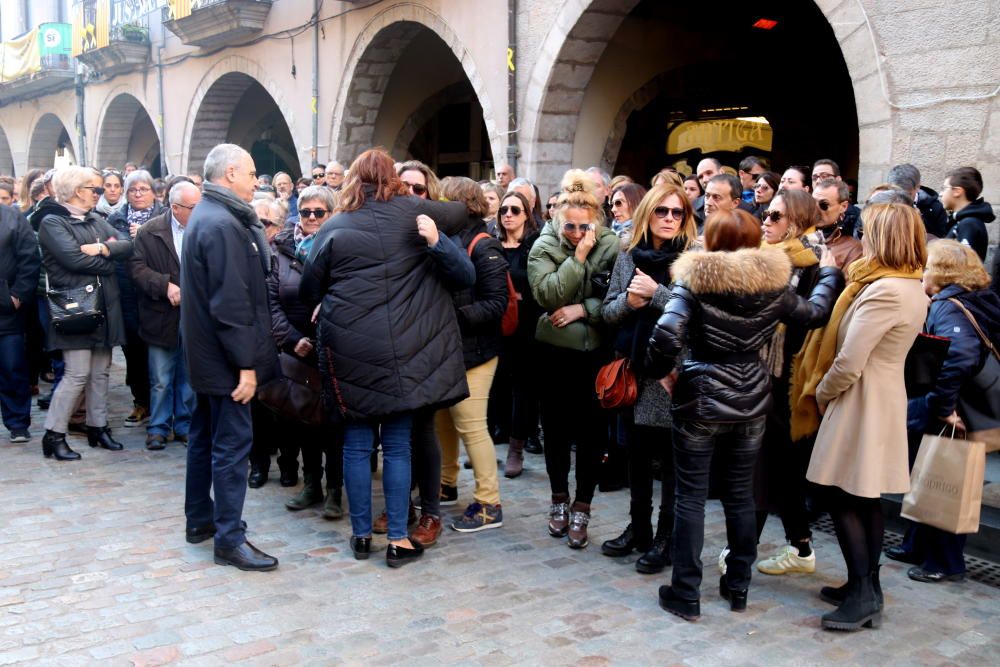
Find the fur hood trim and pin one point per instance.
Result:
(746, 271)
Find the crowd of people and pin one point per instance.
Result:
(765, 318)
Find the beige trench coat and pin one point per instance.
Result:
(861, 445)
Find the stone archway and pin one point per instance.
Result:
(214, 103)
(370, 66)
(6, 156)
(126, 134)
(48, 135)
(562, 72)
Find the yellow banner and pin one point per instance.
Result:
(20, 57)
(178, 9)
(91, 28)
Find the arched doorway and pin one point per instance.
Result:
(414, 90)
(51, 145)
(238, 109)
(626, 75)
(127, 134)
(6, 156)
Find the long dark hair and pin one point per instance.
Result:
(530, 225)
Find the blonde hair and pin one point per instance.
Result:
(644, 212)
(68, 180)
(667, 176)
(951, 263)
(894, 236)
(578, 191)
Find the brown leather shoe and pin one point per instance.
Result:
(428, 530)
(514, 465)
(579, 517)
(559, 515)
(381, 523)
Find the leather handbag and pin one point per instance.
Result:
(297, 394)
(923, 364)
(615, 385)
(979, 398)
(75, 310)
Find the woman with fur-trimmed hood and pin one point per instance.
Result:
(724, 306)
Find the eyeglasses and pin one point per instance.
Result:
(514, 210)
(313, 213)
(774, 216)
(820, 177)
(334, 173)
(319, 174)
(550, 205)
(97, 189)
(417, 189)
(139, 191)
(662, 212)
(187, 207)
(823, 204)
(570, 227)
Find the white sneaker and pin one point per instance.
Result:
(722, 560)
(788, 560)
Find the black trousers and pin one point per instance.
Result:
(266, 437)
(646, 444)
(137, 367)
(513, 405)
(217, 455)
(318, 443)
(572, 415)
(425, 462)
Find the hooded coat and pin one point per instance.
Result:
(725, 306)
(389, 338)
(970, 226)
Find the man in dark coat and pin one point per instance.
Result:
(156, 275)
(19, 265)
(226, 335)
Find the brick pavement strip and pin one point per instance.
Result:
(94, 569)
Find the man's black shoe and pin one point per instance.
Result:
(199, 535)
(289, 478)
(689, 610)
(257, 479)
(903, 556)
(246, 557)
(45, 401)
(534, 445)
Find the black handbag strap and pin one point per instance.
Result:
(975, 325)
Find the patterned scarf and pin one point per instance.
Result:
(303, 243)
(135, 217)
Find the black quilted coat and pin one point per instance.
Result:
(724, 307)
(387, 325)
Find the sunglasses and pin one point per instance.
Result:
(417, 189)
(319, 174)
(662, 212)
(617, 203)
(775, 216)
(268, 223)
(570, 227)
(551, 204)
(823, 204)
(313, 213)
(97, 189)
(514, 210)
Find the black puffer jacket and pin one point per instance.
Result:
(725, 307)
(932, 211)
(388, 331)
(970, 226)
(61, 236)
(480, 308)
(291, 320)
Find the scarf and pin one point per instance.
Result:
(803, 252)
(135, 217)
(303, 243)
(106, 208)
(820, 348)
(620, 227)
(243, 212)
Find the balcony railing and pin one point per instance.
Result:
(115, 38)
(211, 23)
(36, 63)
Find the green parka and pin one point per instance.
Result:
(557, 279)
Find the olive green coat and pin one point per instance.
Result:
(557, 279)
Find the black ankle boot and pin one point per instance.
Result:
(837, 595)
(54, 446)
(657, 557)
(636, 536)
(737, 599)
(859, 609)
(100, 436)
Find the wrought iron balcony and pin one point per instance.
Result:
(112, 49)
(212, 23)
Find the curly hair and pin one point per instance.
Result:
(951, 263)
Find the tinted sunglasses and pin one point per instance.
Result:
(823, 204)
(312, 212)
(417, 189)
(775, 216)
(661, 212)
(618, 202)
(570, 227)
(319, 174)
(551, 204)
(514, 210)
(97, 189)
(267, 223)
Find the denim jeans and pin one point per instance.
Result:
(172, 400)
(694, 444)
(15, 392)
(358, 439)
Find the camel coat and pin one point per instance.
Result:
(861, 445)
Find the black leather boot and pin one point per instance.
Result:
(100, 436)
(54, 446)
(656, 558)
(859, 609)
(311, 493)
(636, 536)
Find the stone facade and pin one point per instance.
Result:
(924, 78)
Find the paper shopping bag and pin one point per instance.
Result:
(946, 485)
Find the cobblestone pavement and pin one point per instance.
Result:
(94, 569)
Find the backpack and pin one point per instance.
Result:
(508, 325)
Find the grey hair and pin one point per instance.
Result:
(334, 163)
(180, 187)
(281, 213)
(219, 158)
(605, 176)
(67, 180)
(139, 175)
(319, 193)
(905, 176)
(896, 195)
(518, 182)
(843, 192)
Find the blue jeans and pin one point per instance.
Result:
(171, 397)
(694, 444)
(15, 391)
(358, 439)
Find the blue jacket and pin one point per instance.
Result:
(965, 354)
